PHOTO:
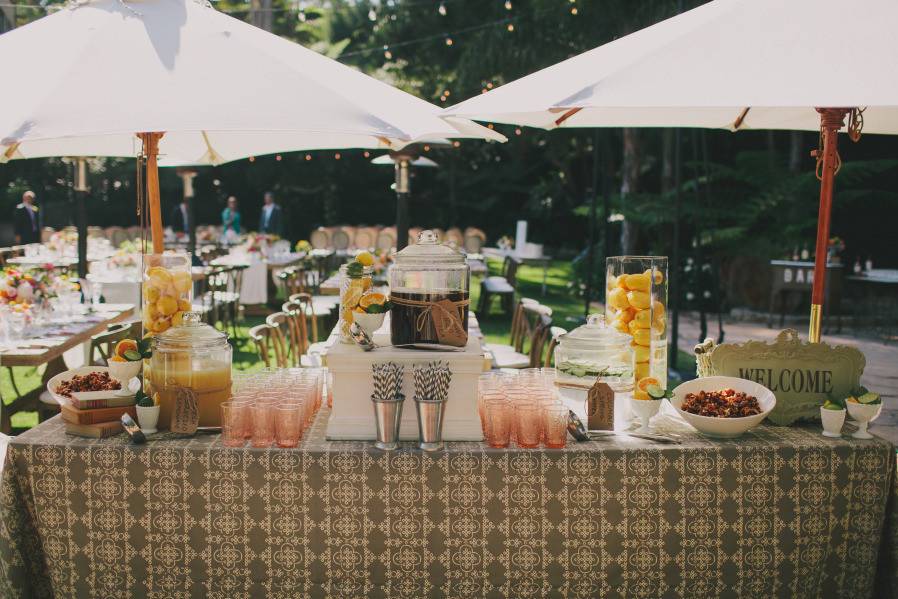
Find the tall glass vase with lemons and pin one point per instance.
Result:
(355, 280)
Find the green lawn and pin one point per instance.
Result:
(567, 312)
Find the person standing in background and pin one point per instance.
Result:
(230, 221)
(179, 218)
(271, 220)
(27, 220)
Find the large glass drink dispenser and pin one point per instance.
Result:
(195, 357)
(429, 285)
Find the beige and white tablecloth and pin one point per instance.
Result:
(782, 512)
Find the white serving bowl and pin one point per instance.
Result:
(724, 427)
(124, 371)
(54, 382)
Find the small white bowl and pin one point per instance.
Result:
(124, 371)
(832, 422)
(370, 323)
(863, 414)
(724, 427)
(644, 409)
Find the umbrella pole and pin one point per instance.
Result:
(828, 162)
(151, 151)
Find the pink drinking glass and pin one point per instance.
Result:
(555, 427)
(288, 424)
(498, 422)
(263, 424)
(232, 425)
(528, 424)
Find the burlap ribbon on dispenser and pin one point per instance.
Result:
(446, 316)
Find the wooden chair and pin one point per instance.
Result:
(316, 309)
(528, 316)
(340, 240)
(454, 237)
(541, 339)
(102, 345)
(474, 241)
(365, 237)
(287, 336)
(269, 345)
(386, 240)
(299, 327)
(554, 333)
(499, 286)
(320, 238)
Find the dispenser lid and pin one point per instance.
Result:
(429, 251)
(594, 334)
(192, 333)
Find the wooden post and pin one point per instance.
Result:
(151, 150)
(831, 120)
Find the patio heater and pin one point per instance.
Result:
(81, 213)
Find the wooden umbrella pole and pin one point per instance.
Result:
(828, 163)
(151, 151)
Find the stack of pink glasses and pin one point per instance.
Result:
(273, 406)
(522, 407)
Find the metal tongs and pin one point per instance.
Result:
(580, 433)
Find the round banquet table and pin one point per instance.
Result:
(781, 512)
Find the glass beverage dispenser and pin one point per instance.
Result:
(429, 290)
(192, 356)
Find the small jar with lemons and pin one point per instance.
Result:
(636, 304)
(167, 291)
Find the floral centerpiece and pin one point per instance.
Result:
(24, 288)
(257, 243)
(834, 250)
(60, 240)
(303, 246)
(505, 243)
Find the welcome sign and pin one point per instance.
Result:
(800, 374)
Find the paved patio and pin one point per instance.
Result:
(880, 374)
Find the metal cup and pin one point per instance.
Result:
(387, 418)
(430, 423)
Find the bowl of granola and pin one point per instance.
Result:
(723, 406)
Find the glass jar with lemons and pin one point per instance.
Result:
(167, 291)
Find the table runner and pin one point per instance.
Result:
(782, 512)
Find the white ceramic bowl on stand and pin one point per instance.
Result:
(124, 371)
(863, 414)
(644, 409)
(832, 421)
(370, 323)
(724, 427)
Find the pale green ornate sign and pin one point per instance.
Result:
(800, 374)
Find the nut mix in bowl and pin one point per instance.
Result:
(727, 403)
(723, 406)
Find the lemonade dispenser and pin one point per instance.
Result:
(194, 357)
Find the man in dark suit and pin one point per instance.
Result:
(271, 221)
(27, 220)
(179, 219)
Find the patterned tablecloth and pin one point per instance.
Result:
(779, 513)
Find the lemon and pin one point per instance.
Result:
(160, 274)
(351, 297)
(151, 294)
(177, 318)
(365, 259)
(167, 305)
(184, 305)
(643, 319)
(640, 353)
(639, 299)
(642, 368)
(370, 299)
(161, 325)
(640, 282)
(617, 298)
(643, 337)
(182, 281)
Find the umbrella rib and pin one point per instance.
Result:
(567, 115)
(741, 118)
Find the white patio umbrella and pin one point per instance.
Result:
(196, 86)
(731, 64)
